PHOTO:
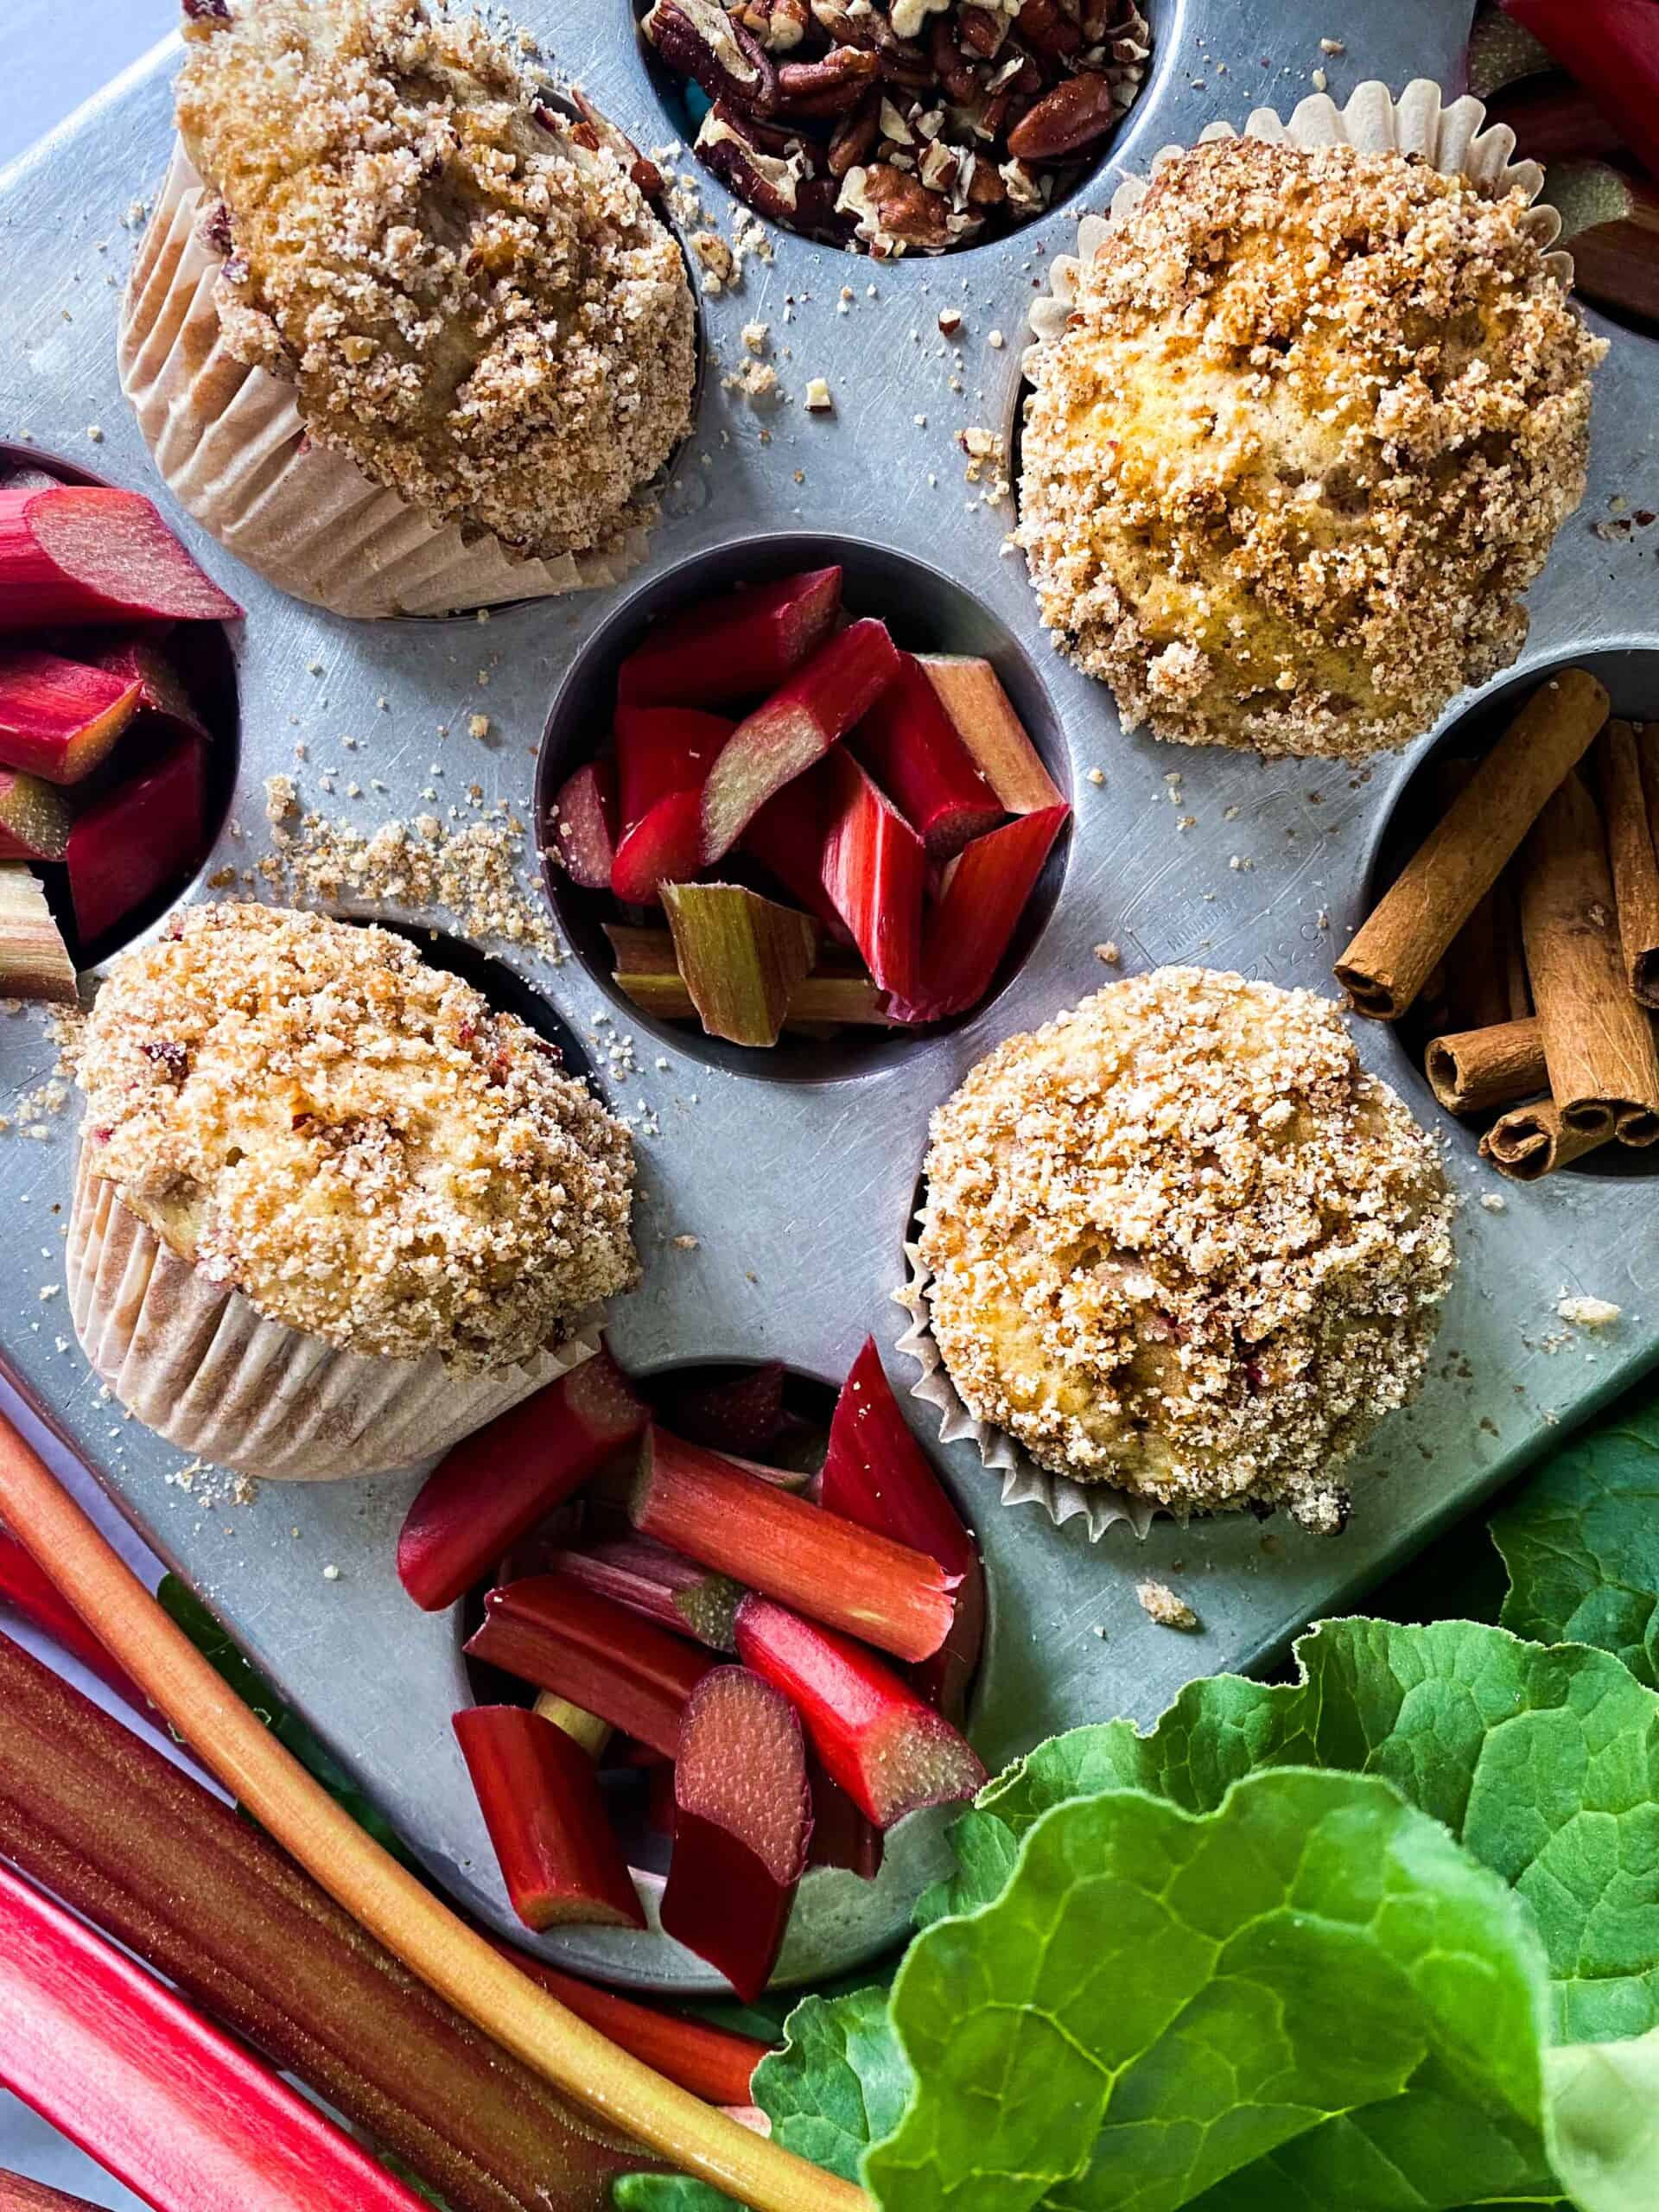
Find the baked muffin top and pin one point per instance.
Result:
(356, 1141)
(1182, 1243)
(471, 296)
(1313, 423)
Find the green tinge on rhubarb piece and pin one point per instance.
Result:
(35, 818)
(740, 955)
(1586, 194)
(1501, 52)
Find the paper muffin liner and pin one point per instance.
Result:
(1024, 1483)
(199, 1365)
(1448, 135)
(232, 449)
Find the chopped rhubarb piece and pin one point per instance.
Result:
(741, 957)
(982, 715)
(875, 874)
(586, 1729)
(1610, 223)
(35, 818)
(969, 931)
(742, 1416)
(1500, 52)
(714, 1510)
(826, 997)
(498, 1483)
(660, 750)
(80, 554)
(660, 1586)
(29, 479)
(551, 1632)
(1612, 48)
(813, 710)
(561, 1864)
(60, 718)
(665, 847)
(1555, 121)
(742, 1815)
(787, 838)
(877, 1474)
(732, 648)
(17, 2195)
(137, 840)
(139, 659)
(842, 1836)
(909, 745)
(714, 2064)
(889, 1750)
(583, 825)
(34, 961)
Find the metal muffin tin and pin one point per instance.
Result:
(797, 1179)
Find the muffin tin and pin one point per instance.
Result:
(796, 1177)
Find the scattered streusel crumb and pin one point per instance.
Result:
(1588, 1313)
(1161, 1603)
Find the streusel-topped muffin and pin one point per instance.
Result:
(1182, 1244)
(1311, 430)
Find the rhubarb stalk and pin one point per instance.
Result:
(137, 840)
(661, 750)
(981, 714)
(889, 1750)
(426, 1934)
(35, 818)
(874, 872)
(714, 2064)
(660, 1586)
(714, 1510)
(35, 961)
(559, 1859)
(498, 1483)
(79, 554)
(742, 1815)
(741, 957)
(730, 648)
(1612, 48)
(911, 747)
(666, 847)
(18, 2194)
(1610, 222)
(744, 1415)
(970, 930)
(583, 825)
(60, 718)
(34, 1596)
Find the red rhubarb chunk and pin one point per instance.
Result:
(1612, 48)
(561, 1862)
(83, 554)
(658, 1584)
(35, 818)
(875, 874)
(889, 1750)
(981, 714)
(743, 1416)
(742, 1815)
(137, 659)
(583, 825)
(732, 648)
(1553, 121)
(665, 847)
(712, 1509)
(500, 1481)
(787, 838)
(551, 1631)
(134, 842)
(797, 725)
(909, 745)
(969, 930)
(32, 1594)
(842, 1836)
(877, 1474)
(661, 750)
(60, 718)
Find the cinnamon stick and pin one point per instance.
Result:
(1415, 922)
(1531, 1142)
(1630, 810)
(1598, 1044)
(1478, 1069)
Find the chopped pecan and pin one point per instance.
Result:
(827, 88)
(897, 205)
(780, 25)
(951, 65)
(855, 136)
(645, 175)
(768, 170)
(981, 31)
(1073, 115)
(702, 41)
(1047, 26)
(985, 187)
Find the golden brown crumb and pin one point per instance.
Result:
(478, 308)
(1161, 1604)
(1313, 426)
(1182, 1243)
(353, 1139)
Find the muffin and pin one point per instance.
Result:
(384, 261)
(332, 1209)
(1181, 1244)
(1312, 426)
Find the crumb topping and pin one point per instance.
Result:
(470, 293)
(356, 1141)
(1181, 1242)
(1312, 425)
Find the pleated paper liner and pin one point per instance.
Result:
(231, 447)
(1448, 135)
(197, 1362)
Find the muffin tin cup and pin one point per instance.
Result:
(198, 1363)
(231, 447)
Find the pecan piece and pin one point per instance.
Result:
(1046, 27)
(855, 136)
(896, 205)
(981, 31)
(697, 39)
(1076, 111)
(780, 25)
(950, 65)
(830, 86)
(767, 169)
(645, 173)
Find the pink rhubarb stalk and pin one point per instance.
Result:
(714, 2063)
(732, 648)
(32, 1594)
(661, 750)
(78, 554)
(559, 1859)
(909, 745)
(666, 847)
(59, 719)
(497, 1484)
(994, 738)
(660, 1586)
(1612, 48)
(712, 1509)
(970, 930)
(583, 825)
(874, 872)
(742, 1815)
(843, 1836)
(889, 1750)
(137, 840)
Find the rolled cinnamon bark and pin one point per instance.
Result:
(1478, 1069)
(1630, 810)
(1533, 1140)
(1598, 1044)
(1445, 880)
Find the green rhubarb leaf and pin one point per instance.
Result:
(1544, 1763)
(1311, 1993)
(1581, 1543)
(1604, 2101)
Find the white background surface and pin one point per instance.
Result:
(52, 55)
